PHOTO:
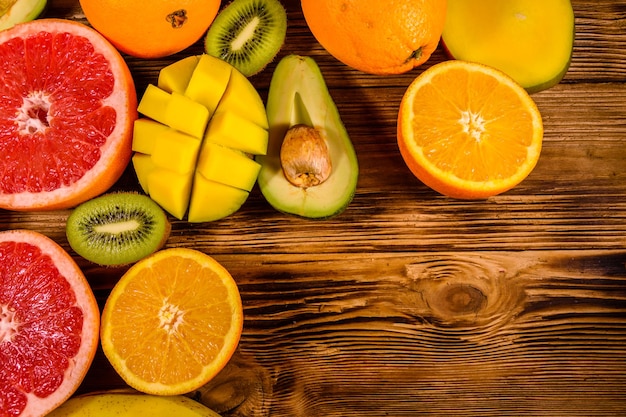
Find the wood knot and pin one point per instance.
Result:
(462, 291)
(461, 299)
(243, 387)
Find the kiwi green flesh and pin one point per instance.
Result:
(298, 95)
(117, 228)
(248, 34)
(13, 12)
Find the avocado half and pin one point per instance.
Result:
(13, 12)
(298, 95)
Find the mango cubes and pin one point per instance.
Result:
(194, 148)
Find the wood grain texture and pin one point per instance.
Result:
(414, 304)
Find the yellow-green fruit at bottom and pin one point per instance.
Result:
(122, 404)
(203, 125)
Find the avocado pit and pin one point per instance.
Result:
(304, 157)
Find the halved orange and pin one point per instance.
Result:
(468, 130)
(172, 322)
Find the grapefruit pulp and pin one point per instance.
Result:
(49, 324)
(66, 115)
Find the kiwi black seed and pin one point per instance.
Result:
(248, 34)
(117, 228)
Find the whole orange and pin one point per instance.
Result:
(377, 37)
(151, 29)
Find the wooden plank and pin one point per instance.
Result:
(411, 303)
(427, 333)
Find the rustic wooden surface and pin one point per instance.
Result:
(410, 303)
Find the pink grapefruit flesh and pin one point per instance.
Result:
(49, 324)
(66, 115)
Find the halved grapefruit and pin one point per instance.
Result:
(49, 324)
(66, 115)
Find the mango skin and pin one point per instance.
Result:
(531, 41)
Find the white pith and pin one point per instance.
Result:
(9, 325)
(28, 120)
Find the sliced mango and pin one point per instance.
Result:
(175, 77)
(143, 165)
(186, 115)
(176, 151)
(209, 81)
(227, 166)
(195, 149)
(170, 190)
(242, 98)
(235, 131)
(145, 132)
(212, 200)
(154, 103)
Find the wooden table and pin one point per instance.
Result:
(410, 303)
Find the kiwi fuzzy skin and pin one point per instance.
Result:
(114, 249)
(266, 50)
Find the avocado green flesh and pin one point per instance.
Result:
(14, 12)
(298, 95)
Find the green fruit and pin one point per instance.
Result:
(311, 168)
(13, 12)
(530, 41)
(117, 228)
(248, 34)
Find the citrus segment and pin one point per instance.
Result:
(48, 324)
(468, 130)
(66, 116)
(160, 339)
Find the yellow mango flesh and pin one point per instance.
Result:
(143, 165)
(227, 166)
(236, 131)
(175, 77)
(145, 132)
(194, 150)
(240, 98)
(154, 103)
(529, 40)
(186, 115)
(174, 110)
(170, 190)
(208, 82)
(176, 151)
(211, 200)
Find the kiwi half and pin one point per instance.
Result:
(248, 34)
(117, 228)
